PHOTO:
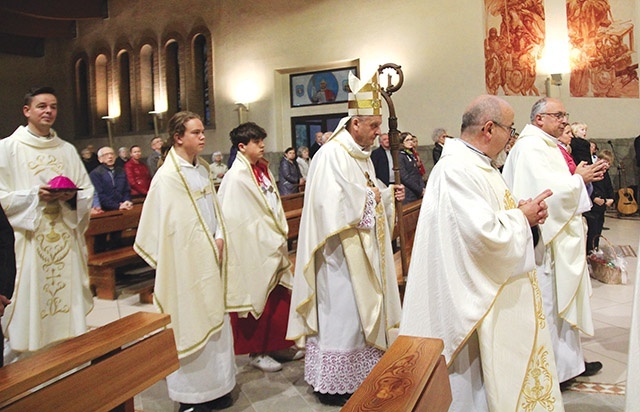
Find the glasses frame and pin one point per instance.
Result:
(557, 115)
(512, 130)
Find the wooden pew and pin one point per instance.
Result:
(410, 214)
(293, 220)
(103, 265)
(293, 201)
(114, 363)
(411, 376)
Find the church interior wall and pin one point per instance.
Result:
(438, 44)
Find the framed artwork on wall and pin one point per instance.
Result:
(320, 87)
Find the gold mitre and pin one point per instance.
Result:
(364, 96)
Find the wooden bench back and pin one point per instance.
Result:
(411, 376)
(125, 221)
(293, 201)
(124, 361)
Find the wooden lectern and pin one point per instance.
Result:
(99, 371)
(411, 376)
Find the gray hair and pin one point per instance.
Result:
(437, 133)
(302, 149)
(103, 149)
(538, 107)
(481, 111)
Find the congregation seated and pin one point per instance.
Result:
(113, 193)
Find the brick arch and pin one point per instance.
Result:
(81, 93)
(201, 80)
(174, 61)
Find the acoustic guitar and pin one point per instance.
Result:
(627, 204)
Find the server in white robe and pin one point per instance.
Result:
(536, 163)
(345, 295)
(52, 296)
(471, 280)
(181, 234)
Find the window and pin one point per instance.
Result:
(172, 67)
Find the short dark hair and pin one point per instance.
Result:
(134, 146)
(34, 91)
(288, 149)
(247, 132)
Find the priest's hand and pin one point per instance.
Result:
(47, 196)
(591, 173)
(4, 301)
(398, 191)
(220, 245)
(376, 194)
(535, 210)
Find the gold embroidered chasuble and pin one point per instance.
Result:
(334, 205)
(174, 239)
(533, 165)
(468, 273)
(52, 295)
(257, 240)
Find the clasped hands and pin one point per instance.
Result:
(535, 210)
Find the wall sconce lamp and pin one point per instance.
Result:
(554, 79)
(157, 118)
(243, 112)
(111, 120)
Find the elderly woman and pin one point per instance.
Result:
(409, 171)
(303, 160)
(289, 173)
(438, 136)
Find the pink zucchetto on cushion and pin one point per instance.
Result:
(62, 182)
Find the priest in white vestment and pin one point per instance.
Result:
(345, 294)
(471, 281)
(181, 235)
(52, 296)
(535, 163)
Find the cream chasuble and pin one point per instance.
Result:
(334, 205)
(533, 165)
(52, 295)
(255, 228)
(174, 238)
(468, 273)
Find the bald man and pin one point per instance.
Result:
(471, 280)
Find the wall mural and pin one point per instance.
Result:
(515, 41)
(603, 60)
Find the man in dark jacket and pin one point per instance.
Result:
(382, 161)
(111, 182)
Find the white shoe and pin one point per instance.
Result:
(297, 353)
(265, 363)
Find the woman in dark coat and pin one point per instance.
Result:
(290, 177)
(409, 171)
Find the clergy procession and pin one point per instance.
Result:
(497, 271)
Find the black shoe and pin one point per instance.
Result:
(194, 407)
(566, 384)
(222, 402)
(591, 368)
(333, 400)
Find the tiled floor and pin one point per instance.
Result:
(286, 390)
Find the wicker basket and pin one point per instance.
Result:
(603, 270)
